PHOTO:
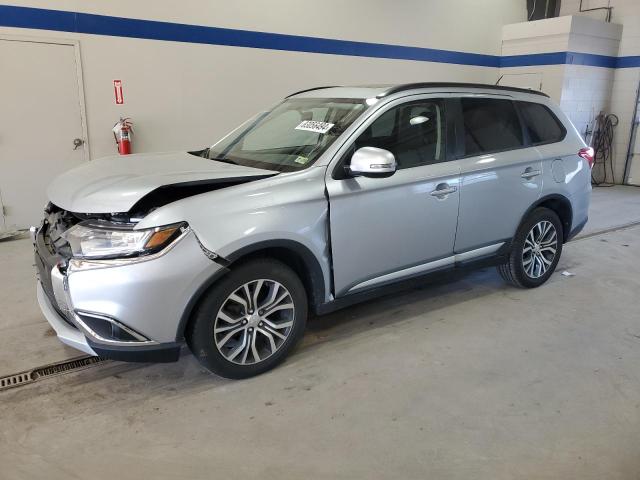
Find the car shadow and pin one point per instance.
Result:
(128, 381)
(425, 299)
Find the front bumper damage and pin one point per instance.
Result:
(67, 333)
(126, 310)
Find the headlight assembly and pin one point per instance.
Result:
(103, 240)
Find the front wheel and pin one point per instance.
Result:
(535, 251)
(249, 321)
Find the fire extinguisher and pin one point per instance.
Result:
(122, 132)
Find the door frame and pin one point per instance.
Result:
(79, 83)
(79, 78)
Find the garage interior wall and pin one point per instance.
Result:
(581, 90)
(625, 80)
(184, 95)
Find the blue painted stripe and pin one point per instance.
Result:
(591, 60)
(66, 21)
(560, 58)
(553, 58)
(632, 61)
(26, 17)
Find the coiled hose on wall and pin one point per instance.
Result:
(603, 170)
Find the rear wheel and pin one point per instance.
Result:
(249, 321)
(535, 251)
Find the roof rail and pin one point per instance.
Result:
(412, 86)
(311, 90)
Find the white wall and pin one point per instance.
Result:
(625, 80)
(582, 91)
(183, 95)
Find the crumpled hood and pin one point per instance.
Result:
(116, 183)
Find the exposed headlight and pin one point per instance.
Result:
(107, 240)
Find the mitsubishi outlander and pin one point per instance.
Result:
(333, 196)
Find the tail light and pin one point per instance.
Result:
(587, 154)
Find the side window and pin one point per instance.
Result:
(542, 125)
(413, 132)
(490, 125)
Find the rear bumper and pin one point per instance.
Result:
(576, 230)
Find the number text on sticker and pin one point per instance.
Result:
(313, 126)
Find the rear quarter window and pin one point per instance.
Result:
(541, 124)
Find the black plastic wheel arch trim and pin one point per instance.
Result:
(311, 263)
(546, 198)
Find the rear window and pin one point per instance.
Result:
(490, 125)
(541, 123)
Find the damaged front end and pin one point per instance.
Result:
(67, 242)
(112, 290)
(108, 284)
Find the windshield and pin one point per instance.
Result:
(290, 137)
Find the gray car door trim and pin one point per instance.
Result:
(400, 274)
(426, 267)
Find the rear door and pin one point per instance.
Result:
(501, 176)
(387, 229)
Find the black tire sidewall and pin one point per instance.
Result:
(539, 214)
(200, 337)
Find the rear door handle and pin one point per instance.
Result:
(530, 173)
(443, 189)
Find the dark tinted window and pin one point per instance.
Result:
(542, 125)
(490, 125)
(413, 132)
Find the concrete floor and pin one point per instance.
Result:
(467, 379)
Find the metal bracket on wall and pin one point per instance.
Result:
(608, 8)
(632, 138)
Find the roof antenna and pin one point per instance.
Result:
(498, 82)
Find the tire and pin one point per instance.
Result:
(531, 261)
(232, 342)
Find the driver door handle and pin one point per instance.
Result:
(443, 189)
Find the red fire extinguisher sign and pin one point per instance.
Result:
(117, 87)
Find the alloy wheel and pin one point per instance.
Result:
(540, 246)
(254, 322)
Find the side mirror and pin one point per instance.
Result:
(372, 162)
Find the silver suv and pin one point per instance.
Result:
(334, 196)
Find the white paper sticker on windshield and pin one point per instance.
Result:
(313, 126)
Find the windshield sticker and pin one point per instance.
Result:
(313, 126)
(302, 160)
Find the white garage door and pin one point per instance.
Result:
(40, 117)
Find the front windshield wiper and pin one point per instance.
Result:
(200, 153)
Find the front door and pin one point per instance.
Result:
(386, 229)
(41, 117)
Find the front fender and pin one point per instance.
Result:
(290, 208)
